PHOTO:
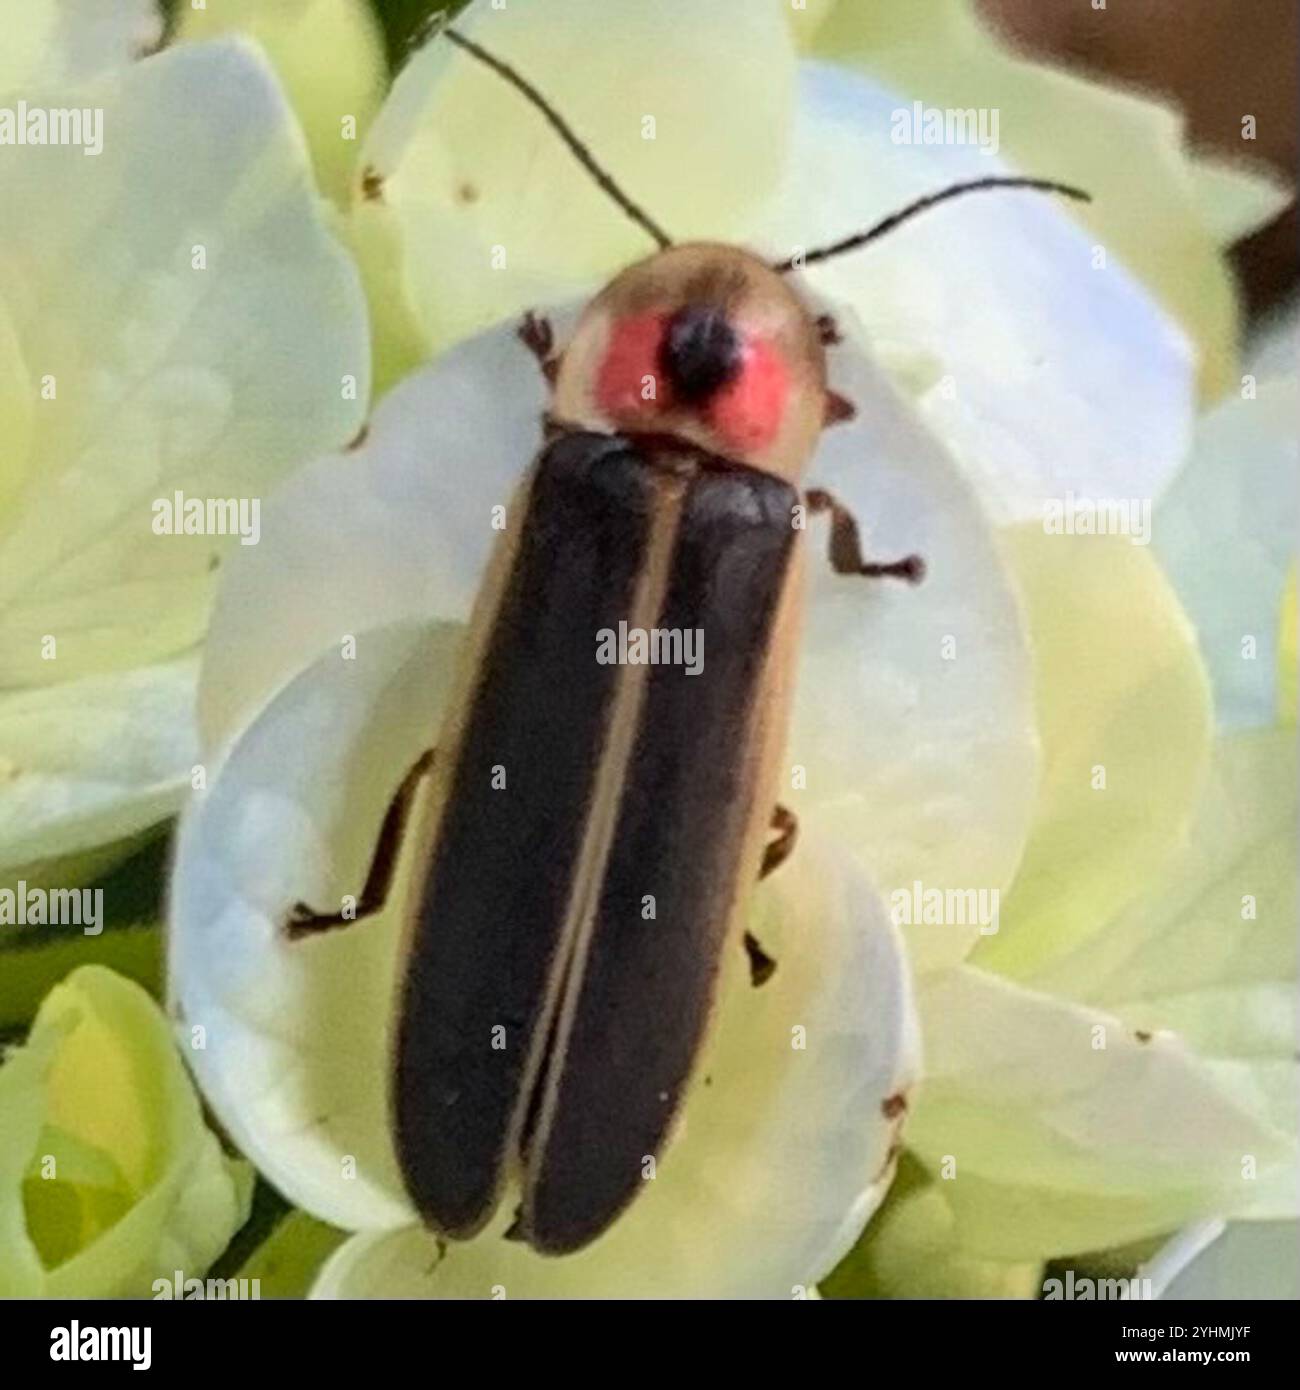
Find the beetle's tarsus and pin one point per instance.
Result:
(778, 850)
(828, 331)
(838, 409)
(538, 336)
(846, 545)
(761, 966)
(910, 569)
(304, 920)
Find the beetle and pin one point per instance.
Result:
(587, 831)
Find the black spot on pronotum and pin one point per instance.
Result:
(700, 353)
(761, 966)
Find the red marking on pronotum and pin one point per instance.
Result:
(747, 413)
(629, 380)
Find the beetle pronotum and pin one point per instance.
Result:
(586, 833)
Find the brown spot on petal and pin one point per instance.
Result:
(1142, 1035)
(372, 184)
(894, 1109)
(828, 331)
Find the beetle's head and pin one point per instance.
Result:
(707, 343)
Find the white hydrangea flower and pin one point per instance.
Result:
(174, 315)
(1026, 369)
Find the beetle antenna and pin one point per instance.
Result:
(566, 133)
(896, 219)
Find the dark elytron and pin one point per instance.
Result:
(498, 922)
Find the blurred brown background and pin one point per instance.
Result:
(1221, 59)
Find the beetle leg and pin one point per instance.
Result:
(778, 850)
(828, 330)
(538, 337)
(305, 920)
(761, 966)
(838, 409)
(786, 824)
(846, 544)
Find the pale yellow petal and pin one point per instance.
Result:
(1052, 1128)
(687, 104)
(328, 54)
(1147, 205)
(1124, 713)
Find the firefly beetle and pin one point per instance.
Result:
(586, 833)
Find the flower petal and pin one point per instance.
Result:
(22, 1106)
(1208, 949)
(914, 729)
(1235, 200)
(1146, 208)
(1000, 294)
(1218, 533)
(1126, 736)
(911, 1250)
(493, 211)
(112, 1084)
(328, 54)
(17, 410)
(806, 18)
(92, 762)
(164, 376)
(1287, 698)
(57, 40)
(297, 1030)
(1249, 1260)
(1062, 1131)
